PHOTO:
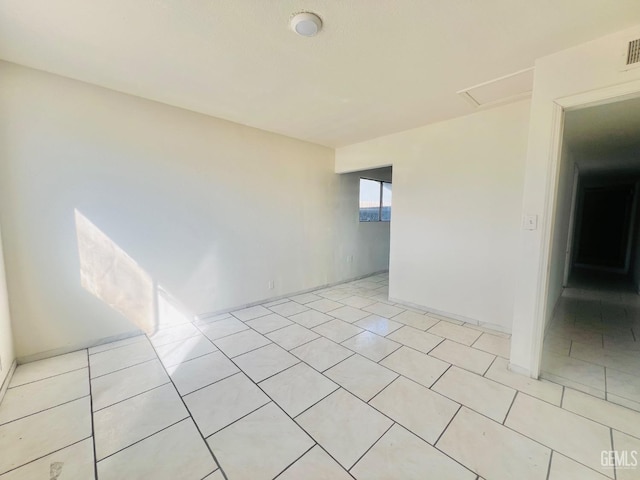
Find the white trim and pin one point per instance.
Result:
(5, 384)
(572, 220)
(620, 92)
(548, 222)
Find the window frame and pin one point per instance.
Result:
(380, 195)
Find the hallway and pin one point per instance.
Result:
(591, 343)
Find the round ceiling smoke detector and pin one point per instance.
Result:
(306, 24)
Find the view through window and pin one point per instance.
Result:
(375, 200)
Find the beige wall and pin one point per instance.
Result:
(210, 210)
(456, 213)
(6, 337)
(585, 68)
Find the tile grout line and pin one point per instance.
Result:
(292, 463)
(549, 466)
(373, 445)
(212, 383)
(189, 359)
(132, 396)
(383, 389)
(489, 367)
(46, 455)
(143, 439)
(46, 409)
(93, 433)
(615, 473)
(189, 412)
(119, 346)
(447, 426)
(280, 408)
(301, 361)
(50, 376)
(124, 368)
(338, 387)
(240, 418)
(513, 400)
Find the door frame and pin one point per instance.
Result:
(592, 98)
(568, 260)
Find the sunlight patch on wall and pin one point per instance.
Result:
(113, 276)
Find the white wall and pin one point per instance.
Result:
(6, 337)
(587, 67)
(457, 189)
(370, 246)
(210, 210)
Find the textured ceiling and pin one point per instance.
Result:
(378, 66)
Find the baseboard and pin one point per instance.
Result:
(520, 370)
(7, 380)
(81, 346)
(453, 316)
(74, 348)
(201, 316)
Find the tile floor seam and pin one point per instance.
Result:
(254, 318)
(615, 473)
(259, 407)
(372, 445)
(224, 336)
(513, 400)
(489, 367)
(384, 388)
(132, 396)
(253, 349)
(188, 360)
(44, 409)
(549, 466)
(168, 343)
(336, 364)
(447, 425)
(142, 439)
(190, 414)
(210, 473)
(50, 453)
(115, 348)
(537, 441)
(296, 460)
(338, 386)
(394, 350)
(212, 383)
(91, 414)
(271, 331)
(124, 368)
(277, 373)
(281, 409)
(50, 376)
(308, 341)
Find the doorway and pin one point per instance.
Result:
(592, 336)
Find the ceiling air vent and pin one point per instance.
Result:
(633, 53)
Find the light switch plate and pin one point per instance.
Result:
(530, 222)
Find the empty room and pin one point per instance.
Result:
(378, 240)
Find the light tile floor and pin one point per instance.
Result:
(335, 384)
(592, 344)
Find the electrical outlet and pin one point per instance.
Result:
(349, 258)
(270, 284)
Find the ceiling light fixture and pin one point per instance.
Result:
(306, 24)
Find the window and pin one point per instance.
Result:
(375, 201)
